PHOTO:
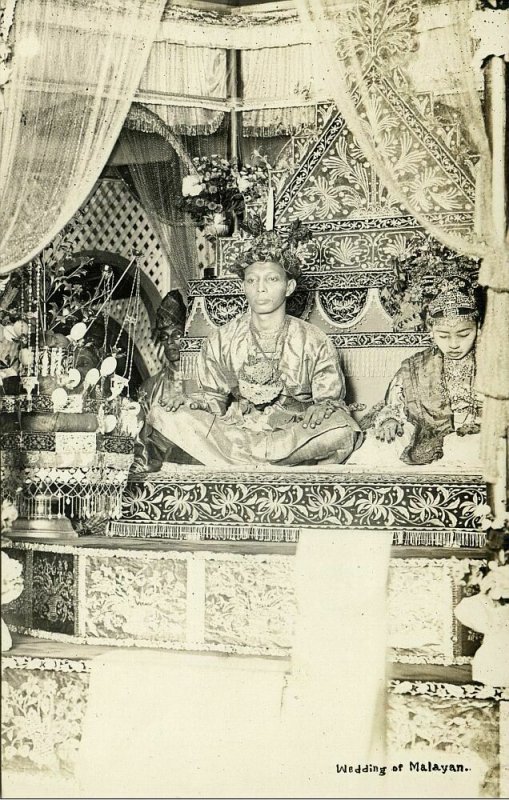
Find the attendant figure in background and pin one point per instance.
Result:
(270, 385)
(434, 389)
(167, 333)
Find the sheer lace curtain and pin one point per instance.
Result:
(76, 68)
(279, 83)
(158, 182)
(380, 59)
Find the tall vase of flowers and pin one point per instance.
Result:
(67, 432)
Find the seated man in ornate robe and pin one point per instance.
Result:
(434, 389)
(270, 386)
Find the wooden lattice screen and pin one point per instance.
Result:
(114, 220)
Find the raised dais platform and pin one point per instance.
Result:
(435, 507)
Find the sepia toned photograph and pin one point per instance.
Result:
(254, 398)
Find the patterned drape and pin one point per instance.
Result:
(197, 74)
(373, 55)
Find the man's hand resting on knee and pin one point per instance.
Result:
(316, 414)
(172, 402)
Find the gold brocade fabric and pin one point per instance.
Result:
(234, 429)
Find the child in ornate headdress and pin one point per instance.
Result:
(271, 387)
(434, 389)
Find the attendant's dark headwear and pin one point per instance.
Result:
(170, 314)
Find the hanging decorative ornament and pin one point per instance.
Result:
(91, 378)
(59, 398)
(29, 382)
(72, 379)
(77, 332)
(220, 224)
(109, 423)
(72, 402)
(108, 366)
(26, 356)
(118, 384)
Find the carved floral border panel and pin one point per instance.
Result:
(410, 339)
(392, 502)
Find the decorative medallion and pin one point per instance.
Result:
(341, 306)
(223, 309)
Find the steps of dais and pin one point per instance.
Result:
(46, 687)
(232, 597)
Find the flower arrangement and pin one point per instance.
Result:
(8, 515)
(218, 188)
(485, 608)
(12, 571)
(47, 308)
(418, 275)
(491, 578)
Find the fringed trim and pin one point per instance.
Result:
(141, 118)
(278, 129)
(271, 650)
(166, 530)
(166, 127)
(452, 538)
(373, 362)
(421, 658)
(197, 533)
(43, 663)
(466, 691)
(188, 366)
(198, 130)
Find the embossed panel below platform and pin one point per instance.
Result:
(131, 597)
(42, 716)
(425, 716)
(420, 601)
(226, 601)
(249, 602)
